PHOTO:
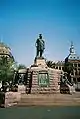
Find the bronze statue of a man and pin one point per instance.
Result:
(40, 46)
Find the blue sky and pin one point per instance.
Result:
(22, 20)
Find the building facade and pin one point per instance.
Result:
(59, 65)
(73, 61)
(5, 51)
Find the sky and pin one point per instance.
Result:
(21, 21)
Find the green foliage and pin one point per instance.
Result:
(21, 66)
(68, 67)
(18, 67)
(50, 64)
(6, 69)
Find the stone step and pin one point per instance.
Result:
(44, 100)
(47, 102)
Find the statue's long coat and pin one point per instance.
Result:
(40, 44)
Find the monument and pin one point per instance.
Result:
(40, 78)
(40, 46)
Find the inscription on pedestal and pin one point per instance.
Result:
(43, 79)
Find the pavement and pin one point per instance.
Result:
(46, 106)
(41, 112)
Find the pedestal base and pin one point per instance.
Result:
(40, 62)
(44, 80)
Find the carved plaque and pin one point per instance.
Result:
(43, 79)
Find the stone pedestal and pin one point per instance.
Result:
(40, 62)
(54, 79)
(50, 85)
(22, 89)
(9, 98)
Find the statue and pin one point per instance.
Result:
(40, 46)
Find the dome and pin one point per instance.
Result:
(4, 45)
(72, 55)
(5, 50)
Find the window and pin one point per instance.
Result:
(56, 67)
(78, 65)
(59, 68)
(74, 79)
(78, 79)
(75, 72)
(75, 65)
(79, 72)
(53, 66)
(62, 68)
(72, 73)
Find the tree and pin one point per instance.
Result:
(17, 68)
(6, 69)
(68, 67)
(50, 64)
(21, 66)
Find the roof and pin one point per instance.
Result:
(72, 55)
(4, 45)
